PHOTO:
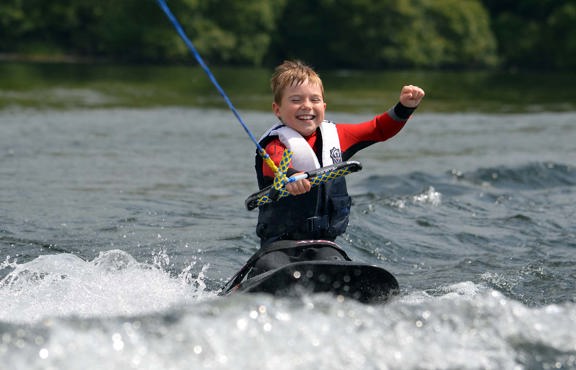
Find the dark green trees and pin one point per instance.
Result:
(383, 34)
(372, 34)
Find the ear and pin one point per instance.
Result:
(276, 109)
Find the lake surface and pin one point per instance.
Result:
(122, 214)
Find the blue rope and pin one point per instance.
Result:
(191, 47)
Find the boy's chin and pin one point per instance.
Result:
(305, 129)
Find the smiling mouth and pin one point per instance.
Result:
(306, 117)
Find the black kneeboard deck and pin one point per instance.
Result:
(362, 282)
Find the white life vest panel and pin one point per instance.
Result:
(303, 157)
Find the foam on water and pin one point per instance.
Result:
(112, 284)
(116, 313)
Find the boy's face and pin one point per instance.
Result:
(302, 108)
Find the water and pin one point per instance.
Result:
(119, 225)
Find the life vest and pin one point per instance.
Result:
(304, 158)
(323, 212)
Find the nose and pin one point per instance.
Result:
(306, 103)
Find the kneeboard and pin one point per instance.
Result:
(362, 282)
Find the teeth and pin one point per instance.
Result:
(307, 117)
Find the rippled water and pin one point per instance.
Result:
(118, 227)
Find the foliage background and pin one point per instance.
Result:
(359, 34)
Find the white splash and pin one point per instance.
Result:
(429, 196)
(112, 284)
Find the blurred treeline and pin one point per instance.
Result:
(360, 34)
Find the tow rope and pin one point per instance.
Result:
(192, 48)
(277, 190)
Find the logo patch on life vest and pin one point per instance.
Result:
(336, 155)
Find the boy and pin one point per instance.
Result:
(320, 212)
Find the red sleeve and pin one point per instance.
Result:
(275, 150)
(354, 137)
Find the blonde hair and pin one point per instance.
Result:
(293, 73)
